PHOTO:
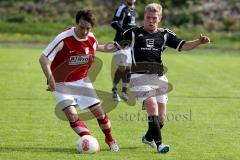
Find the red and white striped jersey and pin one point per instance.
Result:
(71, 57)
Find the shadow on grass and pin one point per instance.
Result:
(208, 97)
(123, 149)
(38, 149)
(54, 149)
(26, 99)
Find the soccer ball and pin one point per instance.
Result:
(87, 144)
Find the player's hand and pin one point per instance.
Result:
(204, 39)
(51, 83)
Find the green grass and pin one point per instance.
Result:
(45, 32)
(32, 28)
(99, 33)
(203, 109)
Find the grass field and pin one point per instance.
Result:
(203, 110)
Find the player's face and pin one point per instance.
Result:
(151, 21)
(83, 28)
(130, 2)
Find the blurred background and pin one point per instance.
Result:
(40, 20)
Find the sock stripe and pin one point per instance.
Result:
(105, 126)
(84, 133)
(80, 128)
(104, 120)
(77, 123)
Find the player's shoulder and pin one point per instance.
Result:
(121, 8)
(133, 29)
(167, 30)
(91, 36)
(66, 31)
(138, 29)
(64, 34)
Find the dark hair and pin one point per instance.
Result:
(86, 15)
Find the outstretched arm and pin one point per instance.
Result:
(189, 45)
(109, 47)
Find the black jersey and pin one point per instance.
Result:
(148, 47)
(124, 19)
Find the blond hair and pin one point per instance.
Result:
(154, 7)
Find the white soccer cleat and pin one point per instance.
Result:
(113, 146)
(150, 143)
(124, 96)
(116, 97)
(163, 148)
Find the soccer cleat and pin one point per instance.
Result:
(150, 143)
(116, 97)
(124, 96)
(113, 146)
(163, 148)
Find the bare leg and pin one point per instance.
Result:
(76, 124)
(162, 113)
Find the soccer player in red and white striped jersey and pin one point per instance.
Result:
(65, 63)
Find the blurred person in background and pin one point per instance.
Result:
(124, 19)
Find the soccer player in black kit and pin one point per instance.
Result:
(148, 43)
(124, 18)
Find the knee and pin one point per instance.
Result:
(151, 106)
(150, 102)
(71, 113)
(121, 68)
(98, 112)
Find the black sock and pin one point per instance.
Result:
(124, 89)
(148, 135)
(155, 129)
(114, 89)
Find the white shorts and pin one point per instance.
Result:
(78, 93)
(123, 57)
(143, 86)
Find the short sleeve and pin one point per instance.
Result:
(95, 43)
(53, 48)
(173, 41)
